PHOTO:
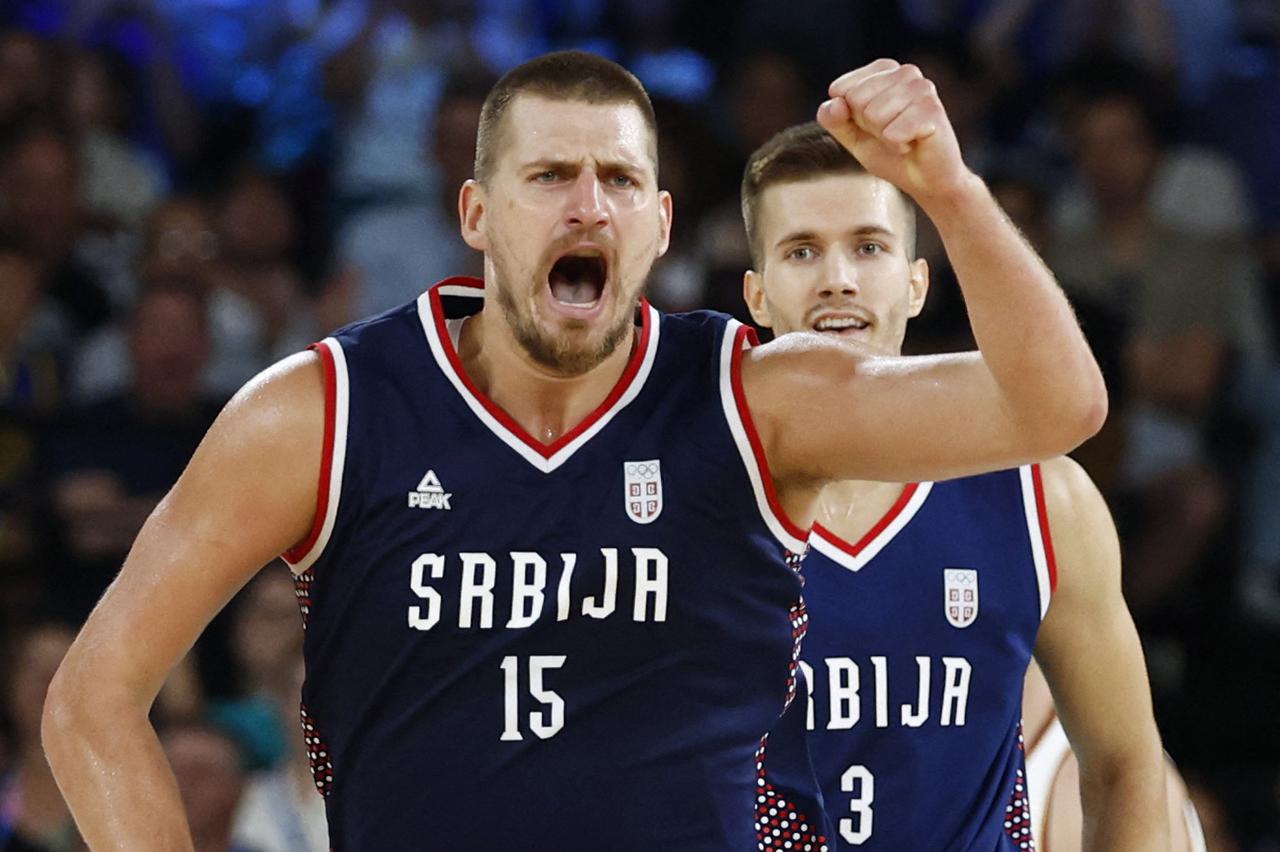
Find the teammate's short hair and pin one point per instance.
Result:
(799, 153)
(567, 75)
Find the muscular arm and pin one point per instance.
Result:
(246, 496)
(1034, 390)
(1090, 655)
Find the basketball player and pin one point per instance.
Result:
(1053, 780)
(547, 579)
(926, 600)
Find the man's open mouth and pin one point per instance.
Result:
(840, 323)
(577, 278)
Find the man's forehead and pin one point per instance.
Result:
(838, 202)
(540, 128)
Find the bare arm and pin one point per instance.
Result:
(1033, 392)
(1090, 654)
(247, 495)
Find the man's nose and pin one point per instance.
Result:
(839, 276)
(586, 207)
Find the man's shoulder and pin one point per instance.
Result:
(691, 335)
(1067, 486)
(695, 321)
(1060, 473)
(379, 323)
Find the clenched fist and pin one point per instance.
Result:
(890, 118)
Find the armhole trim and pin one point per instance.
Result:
(1037, 515)
(303, 555)
(737, 339)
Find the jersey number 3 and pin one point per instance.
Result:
(545, 722)
(858, 780)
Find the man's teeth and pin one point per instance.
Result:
(839, 323)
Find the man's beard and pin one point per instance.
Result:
(555, 352)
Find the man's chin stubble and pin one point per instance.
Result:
(554, 353)
(565, 360)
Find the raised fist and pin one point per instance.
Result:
(890, 118)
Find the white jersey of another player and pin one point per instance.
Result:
(1053, 780)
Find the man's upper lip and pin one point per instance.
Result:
(584, 249)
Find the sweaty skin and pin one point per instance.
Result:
(1063, 826)
(835, 267)
(569, 176)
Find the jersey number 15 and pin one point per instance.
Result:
(545, 722)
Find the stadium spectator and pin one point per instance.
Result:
(281, 810)
(33, 817)
(27, 75)
(119, 181)
(398, 249)
(265, 644)
(211, 777)
(42, 213)
(1190, 306)
(107, 464)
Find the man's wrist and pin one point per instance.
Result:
(959, 200)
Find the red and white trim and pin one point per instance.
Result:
(1038, 528)
(856, 556)
(544, 457)
(337, 397)
(737, 339)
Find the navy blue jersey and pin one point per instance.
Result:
(513, 645)
(919, 638)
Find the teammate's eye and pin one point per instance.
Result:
(546, 176)
(871, 249)
(802, 253)
(621, 181)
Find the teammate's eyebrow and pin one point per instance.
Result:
(796, 237)
(868, 230)
(622, 164)
(872, 230)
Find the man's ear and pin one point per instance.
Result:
(665, 212)
(471, 210)
(753, 294)
(919, 286)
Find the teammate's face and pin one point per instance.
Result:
(570, 221)
(834, 261)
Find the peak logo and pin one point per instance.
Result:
(429, 494)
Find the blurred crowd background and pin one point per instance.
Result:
(191, 189)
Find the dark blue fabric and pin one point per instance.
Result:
(661, 718)
(937, 786)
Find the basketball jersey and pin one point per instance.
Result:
(512, 645)
(919, 638)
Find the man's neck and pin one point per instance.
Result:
(851, 508)
(546, 405)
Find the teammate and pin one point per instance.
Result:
(1053, 780)
(547, 580)
(926, 599)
